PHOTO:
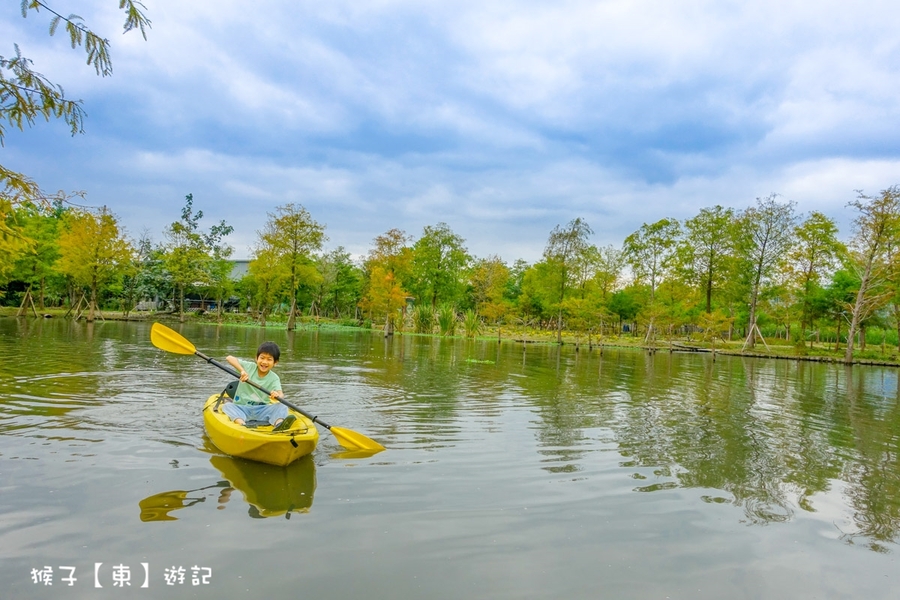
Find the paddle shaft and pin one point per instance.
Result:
(234, 373)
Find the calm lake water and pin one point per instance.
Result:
(511, 472)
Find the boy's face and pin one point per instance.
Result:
(265, 362)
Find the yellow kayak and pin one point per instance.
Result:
(261, 444)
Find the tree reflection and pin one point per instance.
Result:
(874, 490)
(772, 436)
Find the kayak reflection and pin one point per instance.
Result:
(158, 506)
(269, 490)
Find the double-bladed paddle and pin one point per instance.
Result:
(171, 341)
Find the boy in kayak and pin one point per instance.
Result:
(251, 404)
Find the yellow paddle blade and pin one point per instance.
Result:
(165, 339)
(353, 440)
(351, 454)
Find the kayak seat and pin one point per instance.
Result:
(227, 395)
(231, 389)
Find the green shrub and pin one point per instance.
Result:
(423, 319)
(447, 319)
(472, 324)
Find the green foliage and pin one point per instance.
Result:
(387, 271)
(472, 324)
(674, 302)
(265, 284)
(439, 262)
(714, 326)
(27, 242)
(764, 238)
(813, 255)
(650, 252)
(423, 319)
(704, 257)
(626, 304)
(26, 95)
(12, 242)
(513, 288)
(447, 319)
(290, 239)
(196, 261)
(873, 255)
(340, 287)
(538, 298)
(151, 280)
(608, 271)
(489, 280)
(93, 251)
(564, 256)
(578, 314)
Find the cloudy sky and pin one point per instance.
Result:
(502, 119)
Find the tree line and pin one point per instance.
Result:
(720, 272)
(717, 274)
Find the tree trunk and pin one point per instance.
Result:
(857, 309)
(837, 338)
(90, 317)
(754, 298)
(292, 317)
(709, 295)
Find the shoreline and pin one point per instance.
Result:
(502, 334)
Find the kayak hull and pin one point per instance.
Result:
(260, 444)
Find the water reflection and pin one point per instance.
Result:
(158, 506)
(776, 436)
(779, 441)
(348, 454)
(772, 438)
(270, 491)
(267, 490)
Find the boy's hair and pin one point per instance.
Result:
(270, 348)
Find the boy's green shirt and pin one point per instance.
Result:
(247, 394)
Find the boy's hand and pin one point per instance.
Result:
(276, 395)
(244, 375)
